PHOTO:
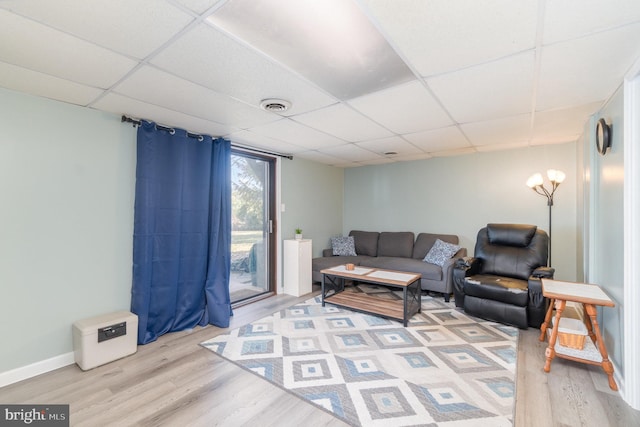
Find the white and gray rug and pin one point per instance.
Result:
(444, 369)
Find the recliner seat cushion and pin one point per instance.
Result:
(497, 288)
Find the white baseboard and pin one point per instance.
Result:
(41, 367)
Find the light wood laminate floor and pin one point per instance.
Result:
(175, 382)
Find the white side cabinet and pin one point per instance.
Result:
(297, 267)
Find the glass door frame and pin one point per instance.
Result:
(270, 222)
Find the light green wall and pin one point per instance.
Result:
(67, 179)
(312, 194)
(606, 215)
(459, 195)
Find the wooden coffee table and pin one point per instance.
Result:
(333, 284)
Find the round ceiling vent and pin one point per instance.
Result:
(275, 105)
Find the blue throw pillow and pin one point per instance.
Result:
(440, 252)
(343, 246)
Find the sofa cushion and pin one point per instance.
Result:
(396, 244)
(428, 271)
(366, 242)
(425, 241)
(441, 252)
(343, 246)
(511, 234)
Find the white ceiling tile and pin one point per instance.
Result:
(133, 108)
(205, 56)
(134, 28)
(393, 144)
(344, 123)
(500, 147)
(406, 108)
(380, 161)
(328, 42)
(316, 156)
(351, 152)
(456, 152)
(39, 48)
(23, 80)
(449, 138)
(588, 69)
(156, 87)
(507, 130)
(586, 17)
(562, 125)
(500, 88)
(438, 36)
(198, 6)
(294, 133)
(251, 139)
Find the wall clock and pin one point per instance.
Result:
(603, 136)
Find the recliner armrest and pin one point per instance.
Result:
(543, 273)
(471, 265)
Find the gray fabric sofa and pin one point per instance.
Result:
(397, 251)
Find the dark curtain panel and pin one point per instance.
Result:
(182, 232)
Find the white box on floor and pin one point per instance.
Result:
(297, 267)
(103, 339)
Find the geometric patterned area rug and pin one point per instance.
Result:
(444, 369)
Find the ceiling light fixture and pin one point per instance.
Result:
(274, 105)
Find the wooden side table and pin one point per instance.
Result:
(590, 296)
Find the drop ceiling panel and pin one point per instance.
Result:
(499, 88)
(328, 42)
(406, 108)
(204, 55)
(39, 48)
(351, 152)
(449, 138)
(508, 130)
(154, 86)
(198, 6)
(23, 80)
(500, 147)
(294, 133)
(344, 123)
(316, 156)
(438, 36)
(588, 69)
(119, 104)
(251, 139)
(134, 28)
(562, 125)
(394, 144)
(586, 17)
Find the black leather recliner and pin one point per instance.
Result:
(501, 282)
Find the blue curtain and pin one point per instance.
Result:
(182, 232)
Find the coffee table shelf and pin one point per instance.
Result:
(333, 284)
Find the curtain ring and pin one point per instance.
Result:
(200, 138)
(172, 131)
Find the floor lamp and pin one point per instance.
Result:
(535, 183)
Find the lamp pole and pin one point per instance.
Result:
(535, 182)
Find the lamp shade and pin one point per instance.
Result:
(534, 180)
(556, 176)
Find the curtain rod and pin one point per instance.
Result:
(136, 122)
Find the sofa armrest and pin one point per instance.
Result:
(327, 252)
(466, 266)
(448, 267)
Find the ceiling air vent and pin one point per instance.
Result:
(275, 105)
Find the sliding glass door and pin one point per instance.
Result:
(252, 226)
